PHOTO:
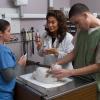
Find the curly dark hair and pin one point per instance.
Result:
(62, 23)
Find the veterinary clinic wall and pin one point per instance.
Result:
(94, 5)
(33, 7)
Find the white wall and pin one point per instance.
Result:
(94, 5)
(33, 7)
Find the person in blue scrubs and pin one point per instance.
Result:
(7, 63)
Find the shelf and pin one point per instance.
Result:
(71, 27)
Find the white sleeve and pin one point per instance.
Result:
(74, 39)
(67, 46)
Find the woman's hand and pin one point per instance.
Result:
(51, 51)
(38, 42)
(22, 60)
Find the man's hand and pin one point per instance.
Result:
(61, 73)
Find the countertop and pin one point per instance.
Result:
(76, 83)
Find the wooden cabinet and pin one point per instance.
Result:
(87, 92)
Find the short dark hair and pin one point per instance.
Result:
(78, 8)
(3, 25)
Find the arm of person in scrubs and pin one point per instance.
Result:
(60, 73)
(10, 73)
(67, 58)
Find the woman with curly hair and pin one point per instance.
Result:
(57, 42)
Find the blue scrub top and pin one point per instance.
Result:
(7, 60)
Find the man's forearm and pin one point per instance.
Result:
(86, 70)
(68, 58)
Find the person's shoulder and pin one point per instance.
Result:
(44, 35)
(69, 35)
(4, 49)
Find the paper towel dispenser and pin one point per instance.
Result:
(20, 2)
